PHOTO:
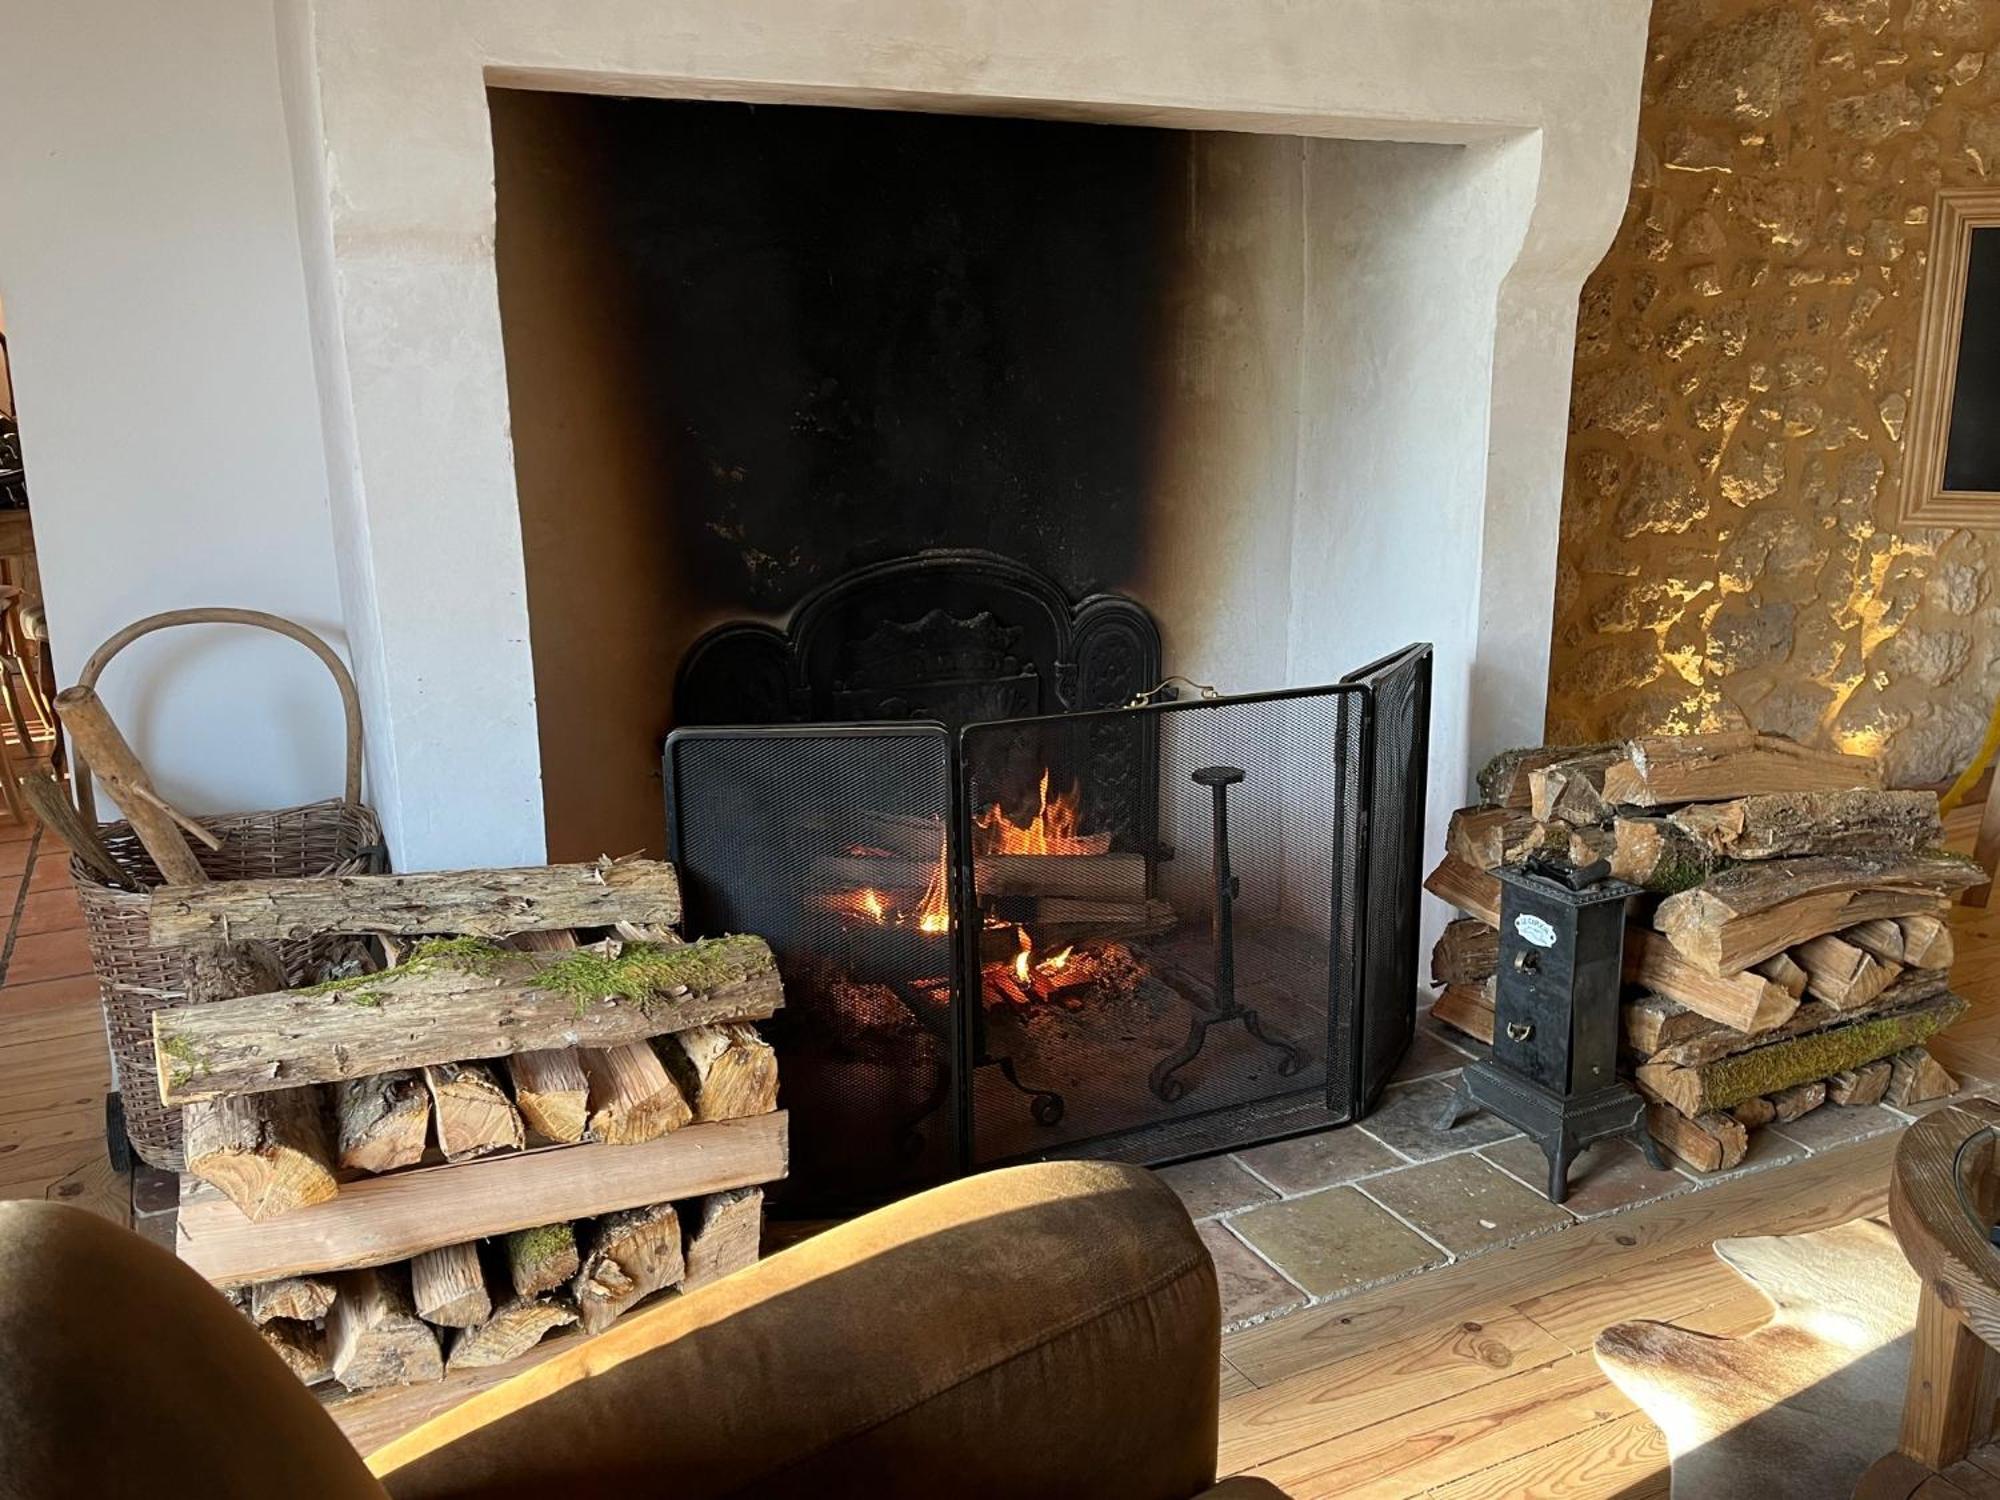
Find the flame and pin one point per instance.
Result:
(1025, 956)
(1057, 963)
(1052, 830)
(934, 912)
(871, 905)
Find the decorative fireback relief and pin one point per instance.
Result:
(1072, 926)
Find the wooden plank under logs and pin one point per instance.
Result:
(459, 999)
(1749, 911)
(377, 1220)
(477, 903)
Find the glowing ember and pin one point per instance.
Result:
(1057, 963)
(1052, 830)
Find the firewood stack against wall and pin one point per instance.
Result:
(1792, 949)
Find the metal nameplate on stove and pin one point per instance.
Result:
(1535, 930)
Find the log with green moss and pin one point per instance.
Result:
(1729, 1081)
(459, 998)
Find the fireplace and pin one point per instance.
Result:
(1034, 904)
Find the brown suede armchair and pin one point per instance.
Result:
(1040, 1332)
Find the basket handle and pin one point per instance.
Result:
(350, 701)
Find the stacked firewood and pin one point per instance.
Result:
(1791, 948)
(473, 1305)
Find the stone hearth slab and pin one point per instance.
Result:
(1607, 1176)
(1407, 1120)
(1252, 1288)
(1215, 1185)
(1327, 1159)
(1466, 1203)
(1336, 1241)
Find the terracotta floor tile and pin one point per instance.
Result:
(50, 995)
(49, 955)
(1336, 1241)
(1251, 1289)
(1316, 1161)
(1407, 1119)
(1215, 1185)
(49, 911)
(1466, 1203)
(1609, 1175)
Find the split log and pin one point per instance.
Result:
(1927, 942)
(375, 1335)
(632, 1255)
(270, 1153)
(448, 1286)
(458, 999)
(1472, 891)
(1653, 1021)
(514, 1329)
(1481, 835)
(1782, 970)
(478, 903)
(725, 1072)
(302, 1347)
(303, 1299)
(1749, 911)
(1572, 790)
(1859, 1086)
(723, 1235)
(1467, 1008)
(1783, 825)
(474, 1115)
(1882, 938)
(1845, 976)
(632, 1096)
(1915, 1077)
(1117, 877)
(158, 826)
(1746, 1002)
(552, 1092)
(1798, 1101)
(1662, 769)
(1728, 1081)
(382, 1120)
(1711, 1142)
(1503, 780)
(1467, 952)
(1655, 855)
(1753, 1114)
(1713, 1040)
(542, 1259)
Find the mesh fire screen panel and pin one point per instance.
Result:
(829, 843)
(1127, 984)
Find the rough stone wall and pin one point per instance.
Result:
(1743, 367)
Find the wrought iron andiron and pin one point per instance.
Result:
(1221, 1004)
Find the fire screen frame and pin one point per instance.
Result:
(1373, 896)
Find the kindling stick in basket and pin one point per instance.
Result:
(98, 739)
(42, 792)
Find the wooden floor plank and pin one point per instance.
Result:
(1621, 1460)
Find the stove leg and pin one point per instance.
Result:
(1458, 1106)
(1654, 1157)
(1561, 1153)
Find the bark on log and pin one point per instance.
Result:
(1782, 825)
(1709, 1143)
(512, 1331)
(1798, 1101)
(375, 1335)
(1730, 1080)
(1664, 769)
(1481, 835)
(479, 903)
(1753, 1114)
(1655, 855)
(724, 1072)
(1915, 1077)
(632, 1096)
(474, 1115)
(303, 1299)
(540, 1260)
(1467, 952)
(382, 1121)
(723, 1235)
(1712, 1041)
(1467, 1008)
(454, 1001)
(1503, 780)
(552, 1092)
(448, 1286)
(1784, 971)
(104, 748)
(1859, 1086)
(1474, 892)
(1927, 942)
(1750, 911)
(1573, 789)
(1842, 974)
(1746, 1002)
(270, 1153)
(303, 1348)
(1652, 1022)
(632, 1255)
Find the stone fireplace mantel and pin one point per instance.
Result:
(1433, 391)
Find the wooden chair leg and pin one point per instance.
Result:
(1987, 850)
(1954, 1379)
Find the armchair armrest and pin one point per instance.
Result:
(1040, 1331)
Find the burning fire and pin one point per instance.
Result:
(934, 912)
(1052, 830)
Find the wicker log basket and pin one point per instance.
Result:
(336, 837)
